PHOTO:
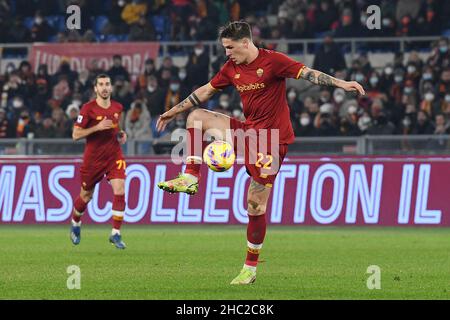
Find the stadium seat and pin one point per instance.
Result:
(446, 33)
(28, 22)
(99, 23)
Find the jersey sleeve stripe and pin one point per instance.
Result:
(300, 72)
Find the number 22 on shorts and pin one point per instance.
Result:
(121, 164)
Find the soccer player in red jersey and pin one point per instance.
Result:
(98, 122)
(259, 76)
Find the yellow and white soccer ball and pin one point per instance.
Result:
(219, 155)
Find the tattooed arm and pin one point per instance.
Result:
(323, 79)
(195, 99)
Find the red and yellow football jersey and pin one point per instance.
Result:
(102, 147)
(262, 87)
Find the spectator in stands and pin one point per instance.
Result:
(423, 124)
(443, 85)
(62, 130)
(137, 121)
(325, 17)
(325, 122)
(65, 72)
(303, 126)
(429, 102)
(223, 105)
(115, 24)
(347, 27)
(428, 22)
(173, 94)
(329, 59)
(410, 8)
(6, 127)
(122, 93)
(142, 30)
(380, 122)
(197, 67)
(118, 70)
(442, 126)
(167, 65)
(24, 125)
(41, 30)
(294, 103)
(46, 129)
(72, 112)
(133, 10)
(39, 100)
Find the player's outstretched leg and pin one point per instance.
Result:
(187, 182)
(198, 121)
(256, 230)
(79, 206)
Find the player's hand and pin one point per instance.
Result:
(105, 124)
(122, 137)
(164, 119)
(353, 86)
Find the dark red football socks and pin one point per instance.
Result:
(256, 231)
(79, 207)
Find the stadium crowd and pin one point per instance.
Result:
(407, 96)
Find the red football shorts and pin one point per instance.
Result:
(261, 151)
(90, 175)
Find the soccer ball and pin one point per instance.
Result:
(219, 156)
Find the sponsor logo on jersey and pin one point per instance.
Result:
(251, 86)
(99, 118)
(259, 72)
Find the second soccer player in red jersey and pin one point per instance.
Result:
(259, 76)
(98, 122)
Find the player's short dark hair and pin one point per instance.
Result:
(100, 76)
(235, 30)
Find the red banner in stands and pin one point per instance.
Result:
(80, 55)
(390, 191)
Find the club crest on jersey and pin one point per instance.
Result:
(237, 75)
(99, 118)
(80, 119)
(116, 115)
(259, 72)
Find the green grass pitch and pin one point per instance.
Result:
(198, 262)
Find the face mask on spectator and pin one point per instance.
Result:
(38, 20)
(304, 121)
(406, 122)
(174, 87)
(429, 96)
(121, 3)
(427, 76)
(17, 103)
(292, 95)
(352, 109)
(398, 78)
(237, 113)
(339, 98)
(224, 104)
(373, 81)
(182, 75)
(359, 77)
(198, 51)
(447, 98)
(179, 123)
(151, 88)
(408, 90)
(443, 49)
(411, 69)
(388, 71)
(386, 22)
